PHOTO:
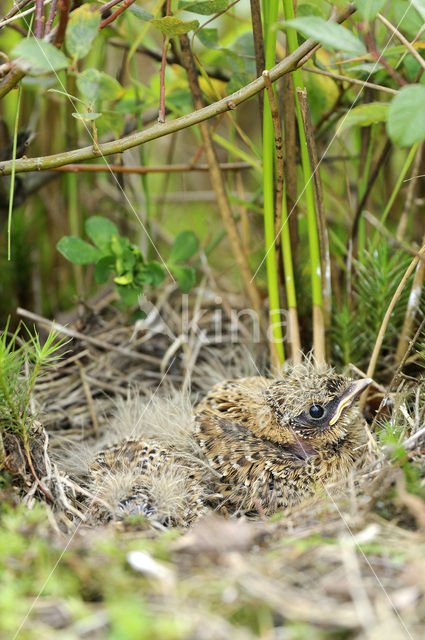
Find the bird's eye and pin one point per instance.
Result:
(316, 411)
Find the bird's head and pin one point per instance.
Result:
(314, 406)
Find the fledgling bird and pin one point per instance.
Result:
(253, 444)
(274, 442)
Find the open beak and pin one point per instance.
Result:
(349, 396)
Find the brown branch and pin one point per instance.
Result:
(15, 9)
(217, 179)
(11, 80)
(257, 33)
(116, 13)
(39, 19)
(51, 17)
(286, 65)
(105, 7)
(59, 35)
(373, 50)
(166, 168)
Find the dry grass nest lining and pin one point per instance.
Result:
(306, 567)
(77, 399)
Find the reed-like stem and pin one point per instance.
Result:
(12, 177)
(270, 13)
(313, 239)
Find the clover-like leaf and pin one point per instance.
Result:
(128, 294)
(100, 230)
(103, 269)
(78, 251)
(155, 273)
(184, 247)
(185, 277)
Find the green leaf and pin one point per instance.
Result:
(103, 269)
(83, 26)
(420, 7)
(208, 37)
(406, 116)
(129, 295)
(119, 245)
(185, 277)
(78, 251)
(369, 9)
(100, 231)
(205, 8)
(184, 247)
(329, 34)
(97, 85)
(139, 314)
(237, 81)
(364, 115)
(129, 257)
(172, 26)
(86, 116)
(39, 56)
(140, 13)
(126, 278)
(155, 273)
(307, 9)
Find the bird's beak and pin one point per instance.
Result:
(349, 395)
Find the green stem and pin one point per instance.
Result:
(364, 171)
(159, 130)
(401, 177)
(270, 14)
(12, 179)
(313, 238)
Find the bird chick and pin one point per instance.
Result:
(275, 441)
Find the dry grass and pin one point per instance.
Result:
(348, 564)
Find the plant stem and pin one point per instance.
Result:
(115, 15)
(270, 14)
(400, 179)
(12, 179)
(316, 275)
(217, 180)
(157, 131)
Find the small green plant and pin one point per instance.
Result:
(114, 254)
(21, 364)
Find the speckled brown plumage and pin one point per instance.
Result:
(255, 444)
(138, 477)
(270, 451)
